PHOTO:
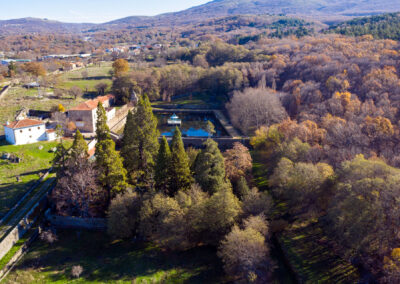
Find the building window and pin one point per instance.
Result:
(20, 131)
(38, 128)
(30, 129)
(30, 136)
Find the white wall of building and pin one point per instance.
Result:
(9, 132)
(31, 134)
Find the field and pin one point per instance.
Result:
(105, 261)
(34, 161)
(95, 75)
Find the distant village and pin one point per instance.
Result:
(7, 58)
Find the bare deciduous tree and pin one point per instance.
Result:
(252, 108)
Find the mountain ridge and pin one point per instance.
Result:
(323, 10)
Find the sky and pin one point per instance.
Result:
(91, 11)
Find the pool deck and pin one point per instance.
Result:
(232, 132)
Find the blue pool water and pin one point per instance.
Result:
(193, 124)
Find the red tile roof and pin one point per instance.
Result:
(24, 123)
(92, 104)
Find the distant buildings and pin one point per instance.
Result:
(26, 131)
(8, 61)
(65, 56)
(84, 115)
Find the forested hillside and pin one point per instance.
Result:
(385, 26)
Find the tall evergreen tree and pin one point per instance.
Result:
(140, 143)
(180, 176)
(209, 167)
(161, 175)
(79, 147)
(112, 174)
(102, 130)
(60, 158)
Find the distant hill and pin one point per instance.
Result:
(314, 9)
(34, 25)
(323, 10)
(385, 26)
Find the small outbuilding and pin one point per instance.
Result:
(26, 131)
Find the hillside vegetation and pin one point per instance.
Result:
(385, 26)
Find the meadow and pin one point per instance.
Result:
(106, 261)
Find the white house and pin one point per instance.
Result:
(28, 131)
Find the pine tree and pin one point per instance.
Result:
(102, 130)
(180, 176)
(161, 175)
(112, 174)
(209, 167)
(79, 147)
(140, 143)
(60, 158)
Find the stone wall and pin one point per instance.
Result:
(223, 143)
(18, 255)
(4, 91)
(76, 223)
(83, 119)
(119, 120)
(22, 227)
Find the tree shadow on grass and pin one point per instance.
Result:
(104, 261)
(10, 193)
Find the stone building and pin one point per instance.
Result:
(84, 115)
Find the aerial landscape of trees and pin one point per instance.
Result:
(316, 108)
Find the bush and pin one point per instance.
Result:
(123, 215)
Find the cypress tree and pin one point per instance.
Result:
(102, 130)
(209, 167)
(127, 142)
(79, 147)
(180, 176)
(161, 175)
(112, 174)
(140, 143)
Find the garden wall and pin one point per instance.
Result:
(22, 227)
(76, 223)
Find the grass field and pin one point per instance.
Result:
(34, 161)
(196, 99)
(95, 75)
(104, 261)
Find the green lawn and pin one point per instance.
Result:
(34, 161)
(96, 74)
(104, 261)
(195, 99)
